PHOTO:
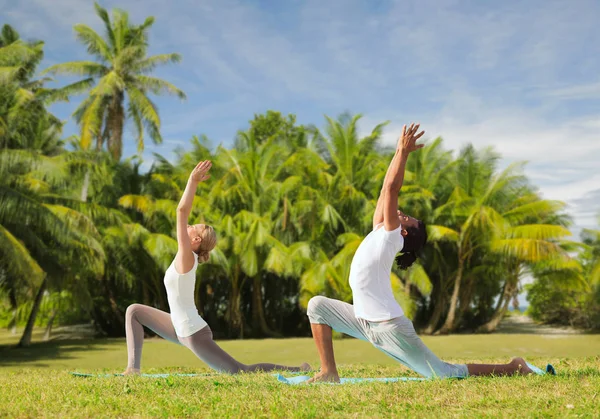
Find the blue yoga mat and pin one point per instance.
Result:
(549, 369)
(303, 378)
(81, 374)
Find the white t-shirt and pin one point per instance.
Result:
(370, 275)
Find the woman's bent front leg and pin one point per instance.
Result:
(136, 317)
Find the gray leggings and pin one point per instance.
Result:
(396, 337)
(200, 343)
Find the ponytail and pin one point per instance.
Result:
(414, 241)
(203, 256)
(404, 260)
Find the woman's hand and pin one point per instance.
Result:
(200, 172)
(408, 139)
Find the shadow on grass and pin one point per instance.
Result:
(34, 355)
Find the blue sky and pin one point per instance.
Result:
(523, 77)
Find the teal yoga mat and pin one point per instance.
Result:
(303, 378)
(81, 374)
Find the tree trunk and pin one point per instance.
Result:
(49, 326)
(145, 294)
(234, 316)
(163, 303)
(464, 301)
(285, 213)
(117, 321)
(510, 286)
(202, 300)
(449, 325)
(26, 338)
(258, 312)
(85, 187)
(114, 125)
(12, 325)
(438, 308)
(491, 325)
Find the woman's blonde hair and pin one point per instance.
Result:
(208, 243)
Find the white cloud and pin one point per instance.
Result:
(585, 91)
(505, 74)
(562, 156)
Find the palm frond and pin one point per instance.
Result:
(91, 121)
(538, 208)
(8, 74)
(407, 304)
(78, 68)
(15, 259)
(148, 64)
(418, 276)
(140, 203)
(103, 14)
(147, 111)
(538, 232)
(529, 250)
(437, 233)
(162, 248)
(157, 86)
(95, 44)
(135, 115)
(65, 92)
(108, 85)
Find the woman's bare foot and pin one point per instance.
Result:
(131, 371)
(305, 367)
(521, 366)
(325, 377)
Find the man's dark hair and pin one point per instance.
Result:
(414, 241)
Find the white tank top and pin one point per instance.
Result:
(370, 275)
(180, 293)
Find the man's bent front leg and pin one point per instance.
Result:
(322, 334)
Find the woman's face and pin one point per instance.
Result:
(195, 232)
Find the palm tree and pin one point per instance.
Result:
(529, 236)
(252, 187)
(121, 71)
(24, 121)
(591, 238)
(356, 169)
(428, 184)
(18, 59)
(39, 236)
(484, 206)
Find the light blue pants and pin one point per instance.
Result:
(396, 337)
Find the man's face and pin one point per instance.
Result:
(407, 221)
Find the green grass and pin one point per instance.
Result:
(35, 381)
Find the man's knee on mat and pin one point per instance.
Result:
(315, 309)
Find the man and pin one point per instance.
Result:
(376, 317)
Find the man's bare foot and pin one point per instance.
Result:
(325, 377)
(305, 367)
(131, 371)
(521, 366)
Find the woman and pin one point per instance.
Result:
(184, 325)
(375, 316)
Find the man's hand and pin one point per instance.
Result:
(408, 139)
(200, 172)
